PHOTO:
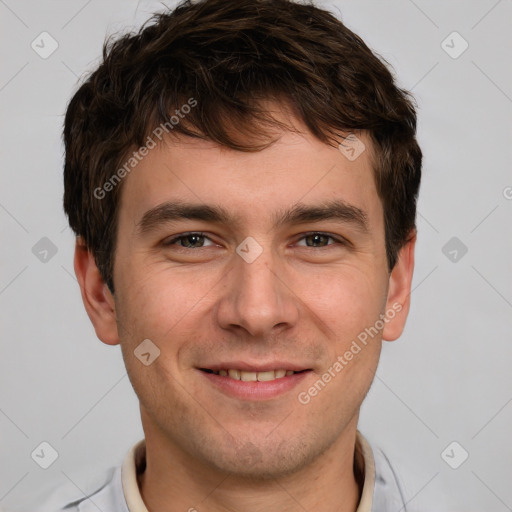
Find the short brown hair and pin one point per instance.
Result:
(230, 56)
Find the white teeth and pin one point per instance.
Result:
(234, 374)
(254, 376)
(265, 376)
(248, 376)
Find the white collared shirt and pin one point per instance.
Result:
(120, 492)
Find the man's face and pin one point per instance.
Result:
(277, 285)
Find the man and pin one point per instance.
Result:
(242, 179)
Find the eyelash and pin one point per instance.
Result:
(340, 241)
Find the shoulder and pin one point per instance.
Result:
(389, 488)
(101, 494)
(382, 489)
(401, 484)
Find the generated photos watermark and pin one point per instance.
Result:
(158, 133)
(342, 361)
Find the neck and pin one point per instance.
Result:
(174, 481)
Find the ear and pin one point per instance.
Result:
(98, 300)
(399, 291)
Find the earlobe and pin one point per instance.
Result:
(399, 291)
(97, 298)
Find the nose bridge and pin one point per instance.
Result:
(258, 282)
(256, 298)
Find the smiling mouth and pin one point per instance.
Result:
(247, 376)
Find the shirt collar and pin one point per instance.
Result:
(134, 461)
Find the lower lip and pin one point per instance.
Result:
(255, 390)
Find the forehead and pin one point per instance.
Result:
(296, 169)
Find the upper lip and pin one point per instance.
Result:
(255, 367)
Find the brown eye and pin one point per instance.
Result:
(318, 240)
(192, 241)
(189, 241)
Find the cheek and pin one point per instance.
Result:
(151, 305)
(345, 300)
(160, 302)
(349, 307)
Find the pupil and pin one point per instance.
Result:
(193, 240)
(317, 239)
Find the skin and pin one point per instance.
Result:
(303, 300)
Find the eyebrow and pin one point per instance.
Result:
(300, 213)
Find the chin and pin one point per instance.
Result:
(262, 461)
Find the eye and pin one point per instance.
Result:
(319, 240)
(189, 241)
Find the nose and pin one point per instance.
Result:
(257, 298)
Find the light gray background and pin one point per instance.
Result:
(447, 379)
